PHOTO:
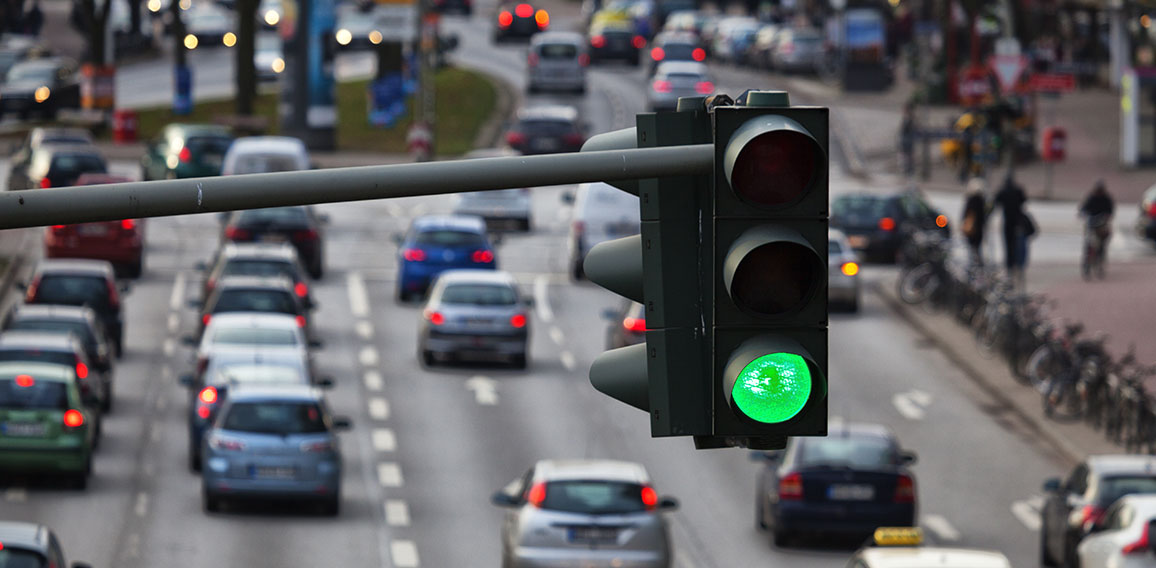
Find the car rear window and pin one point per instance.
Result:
(449, 238)
(479, 295)
(78, 328)
(38, 395)
(263, 373)
(678, 52)
(16, 558)
(594, 497)
(858, 209)
(546, 127)
(253, 336)
(78, 163)
(61, 357)
(866, 452)
(260, 164)
(255, 300)
(275, 216)
(1113, 488)
(259, 268)
(74, 290)
(210, 145)
(558, 51)
(274, 418)
(833, 247)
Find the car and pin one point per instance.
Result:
(877, 225)
(299, 226)
(44, 136)
(77, 282)
(615, 40)
(760, 49)
(17, 48)
(237, 368)
(853, 481)
(475, 314)
(584, 512)
(627, 325)
(32, 544)
(519, 21)
(601, 212)
(1124, 538)
(209, 23)
(902, 547)
(797, 50)
(273, 442)
(80, 321)
(119, 242)
(186, 151)
(675, 79)
(684, 21)
(842, 272)
(557, 62)
(62, 349)
(56, 165)
(265, 154)
(545, 129)
(502, 209)
(269, 14)
(265, 294)
(268, 56)
(731, 38)
(256, 259)
(436, 243)
(246, 332)
(1072, 506)
(356, 24)
(464, 7)
(40, 87)
(1146, 220)
(672, 46)
(48, 429)
(638, 14)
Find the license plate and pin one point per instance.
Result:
(594, 534)
(273, 472)
(543, 144)
(212, 161)
(92, 230)
(850, 492)
(272, 238)
(857, 241)
(23, 429)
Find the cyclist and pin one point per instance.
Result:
(1097, 210)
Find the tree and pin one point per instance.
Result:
(246, 69)
(92, 20)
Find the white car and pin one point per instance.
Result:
(601, 212)
(1125, 537)
(265, 154)
(247, 331)
(901, 547)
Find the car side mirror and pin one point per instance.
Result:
(316, 343)
(568, 197)
(610, 314)
(185, 380)
(503, 499)
(201, 265)
(668, 504)
(397, 238)
(342, 423)
(496, 239)
(323, 218)
(325, 382)
(123, 287)
(193, 303)
(528, 301)
(1052, 485)
(907, 457)
(188, 340)
(81, 565)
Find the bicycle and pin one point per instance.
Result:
(1097, 230)
(926, 277)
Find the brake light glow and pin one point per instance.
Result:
(185, 156)
(661, 86)
(850, 268)
(524, 10)
(59, 228)
(537, 494)
(45, 183)
(482, 256)
(81, 370)
(300, 321)
(791, 487)
(542, 17)
(306, 235)
(73, 418)
(321, 446)
(699, 54)
(1152, 209)
(301, 289)
(941, 221)
(435, 318)
(518, 320)
(205, 319)
(1138, 547)
(1090, 515)
(128, 224)
(657, 54)
(208, 395)
(598, 41)
(905, 490)
(24, 380)
(704, 87)
(638, 42)
(637, 325)
(505, 19)
(532, 60)
(887, 224)
(649, 497)
(413, 255)
(203, 412)
(236, 234)
(515, 139)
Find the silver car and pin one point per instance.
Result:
(476, 314)
(584, 513)
(502, 209)
(674, 79)
(602, 212)
(273, 442)
(557, 62)
(842, 272)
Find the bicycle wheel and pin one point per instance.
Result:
(1045, 364)
(1062, 400)
(918, 284)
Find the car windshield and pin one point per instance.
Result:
(78, 328)
(73, 290)
(249, 267)
(558, 51)
(1113, 488)
(255, 300)
(31, 73)
(449, 238)
(16, 558)
(31, 354)
(208, 145)
(274, 417)
(27, 393)
(87, 163)
(546, 127)
(593, 497)
(859, 208)
(294, 216)
(479, 294)
(263, 373)
(856, 452)
(253, 336)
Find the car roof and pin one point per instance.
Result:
(28, 536)
(38, 340)
(932, 557)
(276, 144)
(249, 281)
(74, 266)
(274, 392)
(53, 311)
(548, 112)
(557, 37)
(38, 369)
(608, 470)
(1145, 501)
(1108, 464)
(264, 320)
(39, 133)
(835, 234)
(476, 276)
(54, 61)
(682, 67)
(70, 148)
(460, 222)
(676, 37)
(279, 251)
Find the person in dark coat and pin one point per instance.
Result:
(1097, 210)
(1017, 226)
(974, 218)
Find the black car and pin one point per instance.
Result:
(615, 41)
(77, 320)
(299, 226)
(519, 21)
(268, 294)
(627, 325)
(547, 129)
(852, 481)
(76, 282)
(675, 46)
(464, 7)
(53, 165)
(1073, 505)
(878, 225)
(40, 87)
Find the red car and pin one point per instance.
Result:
(119, 242)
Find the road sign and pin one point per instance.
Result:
(1008, 69)
(975, 85)
(1052, 82)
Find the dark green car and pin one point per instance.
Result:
(44, 426)
(186, 151)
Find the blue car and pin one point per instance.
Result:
(437, 243)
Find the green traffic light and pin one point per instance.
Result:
(773, 388)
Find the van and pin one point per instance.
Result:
(602, 212)
(265, 154)
(557, 61)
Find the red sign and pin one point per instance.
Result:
(1053, 82)
(975, 86)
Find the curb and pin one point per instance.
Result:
(1039, 428)
(8, 278)
(505, 101)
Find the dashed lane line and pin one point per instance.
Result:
(1028, 512)
(141, 507)
(541, 298)
(169, 347)
(378, 409)
(174, 322)
(557, 336)
(358, 297)
(177, 298)
(384, 440)
(568, 360)
(368, 356)
(364, 330)
(404, 554)
(942, 528)
(373, 381)
(396, 513)
(16, 495)
(389, 474)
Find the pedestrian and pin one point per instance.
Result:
(1097, 210)
(966, 143)
(974, 217)
(34, 19)
(908, 130)
(1018, 228)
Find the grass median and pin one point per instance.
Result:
(465, 100)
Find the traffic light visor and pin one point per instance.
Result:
(773, 274)
(772, 162)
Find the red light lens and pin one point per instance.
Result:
(791, 487)
(185, 155)
(45, 183)
(1152, 210)
(776, 168)
(300, 321)
(887, 224)
(1138, 547)
(941, 221)
(598, 41)
(637, 325)
(59, 227)
(233, 233)
(542, 17)
(537, 494)
(127, 224)
(436, 318)
(24, 380)
(208, 395)
(638, 42)
(482, 256)
(518, 320)
(524, 10)
(300, 289)
(657, 54)
(704, 87)
(661, 86)
(203, 412)
(413, 255)
(73, 418)
(649, 497)
(505, 19)
(81, 370)
(699, 54)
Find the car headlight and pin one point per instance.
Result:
(344, 36)
(42, 94)
(278, 65)
(272, 17)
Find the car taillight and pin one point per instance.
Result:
(637, 325)
(887, 224)
(699, 54)
(413, 255)
(905, 490)
(573, 139)
(542, 18)
(30, 295)
(45, 183)
(850, 268)
(638, 42)
(237, 234)
(25, 381)
(537, 494)
(532, 60)
(306, 235)
(518, 320)
(1138, 547)
(1152, 209)
(791, 487)
(435, 318)
(704, 87)
(524, 10)
(482, 257)
(73, 418)
(81, 369)
(579, 227)
(113, 296)
(58, 229)
(300, 321)
(597, 42)
(128, 224)
(505, 19)
(301, 289)
(661, 86)
(515, 139)
(322, 446)
(205, 319)
(219, 443)
(208, 395)
(204, 412)
(185, 156)
(1090, 515)
(657, 54)
(649, 497)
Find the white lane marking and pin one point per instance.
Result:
(155, 433)
(541, 299)
(485, 390)
(1028, 512)
(920, 397)
(132, 548)
(384, 440)
(942, 528)
(378, 409)
(404, 553)
(149, 469)
(418, 210)
(141, 508)
(368, 356)
(396, 513)
(557, 336)
(16, 495)
(373, 381)
(169, 347)
(393, 208)
(912, 404)
(568, 360)
(358, 297)
(177, 298)
(174, 322)
(389, 474)
(364, 330)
